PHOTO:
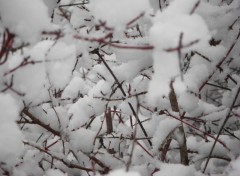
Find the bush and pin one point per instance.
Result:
(119, 87)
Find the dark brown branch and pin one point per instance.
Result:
(74, 4)
(195, 7)
(165, 149)
(204, 57)
(109, 124)
(40, 123)
(183, 145)
(220, 87)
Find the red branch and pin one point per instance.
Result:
(7, 43)
(103, 41)
(197, 129)
(25, 62)
(182, 46)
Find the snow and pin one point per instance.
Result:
(234, 168)
(160, 84)
(125, 108)
(218, 115)
(57, 117)
(50, 5)
(128, 71)
(178, 22)
(81, 111)
(125, 55)
(219, 150)
(121, 172)
(187, 101)
(165, 127)
(228, 97)
(82, 139)
(11, 142)
(60, 62)
(175, 170)
(10, 135)
(117, 13)
(54, 172)
(195, 77)
(212, 12)
(139, 155)
(76, 85)
(6, 101)
(102, 87)
(30, 79)
(30, 13)
(76, 21)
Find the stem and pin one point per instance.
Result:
(222, 127)
(183, 143)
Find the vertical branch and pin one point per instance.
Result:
(96, 51)
(8, 39)
(180, 54)
(134, 139)
(109, 121)
(165, 149)
(180, 129)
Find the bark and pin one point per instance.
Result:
(180, 130)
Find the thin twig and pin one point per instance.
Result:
(222, 127)
(123, 92)
(65, 162)
(40, 123)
